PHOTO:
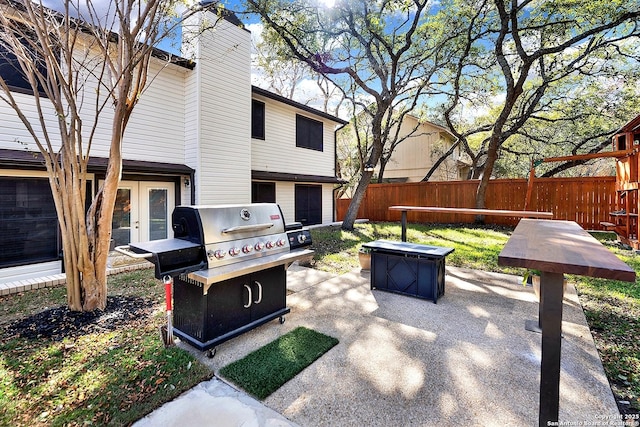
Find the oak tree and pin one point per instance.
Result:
(514, 53)
(382, 54)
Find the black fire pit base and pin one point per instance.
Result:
(204, 346)
(408, 268)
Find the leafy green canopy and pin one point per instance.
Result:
(385, 56)
(531, 72)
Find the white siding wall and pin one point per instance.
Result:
(192, 115)
(278, 151)
(156, 128)
(220, 148)
(327, 203)
(155, 131)
(13, 134)
(285, 196)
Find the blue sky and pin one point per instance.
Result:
(173, 45)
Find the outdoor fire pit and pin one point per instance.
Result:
(408, 268)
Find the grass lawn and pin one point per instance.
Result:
(114, 377)
(612, 309)
(477, 248)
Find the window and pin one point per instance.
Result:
(158, 213)
(308, 133)
(257, 119)
(12, 73)
(263, 192)
(28, 222)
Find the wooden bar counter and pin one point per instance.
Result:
(555, 248)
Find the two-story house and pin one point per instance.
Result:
(424, 144)
(201, 134)
(293, 157)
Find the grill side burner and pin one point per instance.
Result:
(229, 267)
(172, 256)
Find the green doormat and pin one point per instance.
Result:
(263, 371)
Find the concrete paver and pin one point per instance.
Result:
(214, 403)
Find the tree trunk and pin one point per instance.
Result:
(383, 165)
(440, 161)
(356, 200)
(365, 180)
(72, 273)
(95, 287)
(481, 193)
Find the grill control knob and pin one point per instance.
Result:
(302, 238)
(280, 242)
(247, 248)
(270, 244)
(220, 253)
(259, 246)
(234, 251)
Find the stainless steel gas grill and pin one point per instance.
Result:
(228, 264)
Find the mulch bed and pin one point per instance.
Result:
(59, 322)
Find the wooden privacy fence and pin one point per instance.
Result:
(586, 201)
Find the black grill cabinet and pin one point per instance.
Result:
(408, 268)
(229, 308)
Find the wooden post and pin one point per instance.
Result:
(551, 295)
(532, 175)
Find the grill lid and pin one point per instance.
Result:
(216, 236)
(222, 223)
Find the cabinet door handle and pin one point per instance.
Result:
(248, 304)
(259, 293)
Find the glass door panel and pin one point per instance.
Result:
(158, 213)
(121, 224)
(157, 200)
(142, 212)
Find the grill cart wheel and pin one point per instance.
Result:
(211, 352)
(282, 319)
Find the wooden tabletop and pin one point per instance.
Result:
(561, 247)
(472, 211)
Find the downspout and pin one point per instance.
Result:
(335, 168)
(192, 177)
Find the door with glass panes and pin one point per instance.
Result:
(142, 212)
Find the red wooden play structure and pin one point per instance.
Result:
(624, 218)
(624, 213)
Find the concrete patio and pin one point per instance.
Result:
(466, 360)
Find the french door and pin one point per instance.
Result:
(142, 211)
